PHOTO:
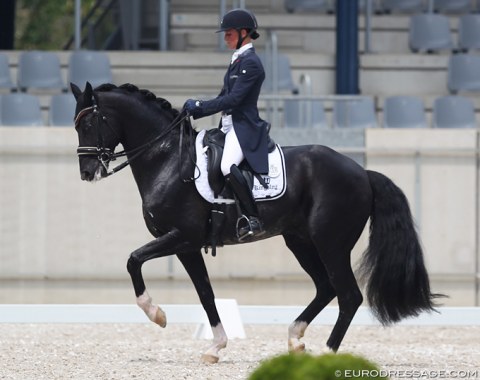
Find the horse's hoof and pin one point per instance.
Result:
(160, 318)
(210, 359)
(296, 347)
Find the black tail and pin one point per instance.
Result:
(397, 281)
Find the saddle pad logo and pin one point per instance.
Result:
(274, 170)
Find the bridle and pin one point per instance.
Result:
(106, 155)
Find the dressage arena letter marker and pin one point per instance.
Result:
(231, 321)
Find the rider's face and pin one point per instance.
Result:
(231, 38)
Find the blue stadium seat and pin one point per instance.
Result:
(62, 110)
(452, 6)
(308, 5)
(453, 112)
(304, 114)
(463, 73)
(469, 32)
(403, 6)
(404, 112)
(284, 74)
(91, 66)
(429, 32)
(39, 69)
(20, 109)
(359, 113)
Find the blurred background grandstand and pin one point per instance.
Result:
(413, 114)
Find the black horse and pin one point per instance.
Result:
(327, 203)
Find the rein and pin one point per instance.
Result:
(106, 155)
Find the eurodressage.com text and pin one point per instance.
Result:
(409, 374)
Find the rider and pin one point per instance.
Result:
(246, 133)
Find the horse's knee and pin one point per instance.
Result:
(133, 264)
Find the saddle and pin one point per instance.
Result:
(214, 142)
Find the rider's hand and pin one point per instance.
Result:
(191, 105)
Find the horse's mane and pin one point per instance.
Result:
(148, 95)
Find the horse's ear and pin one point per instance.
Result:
(75, 90)
(88, 90)
(87, 94)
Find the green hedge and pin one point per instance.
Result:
(324, 367)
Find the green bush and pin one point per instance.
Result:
(324, 367)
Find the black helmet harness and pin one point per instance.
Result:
(239, 19)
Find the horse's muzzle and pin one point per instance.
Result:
(93, 175)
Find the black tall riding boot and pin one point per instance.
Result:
(249, 223)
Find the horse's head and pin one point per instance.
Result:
(97, 140)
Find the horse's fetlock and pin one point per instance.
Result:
(297, 329)
(144, 301)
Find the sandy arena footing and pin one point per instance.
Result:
(144, 351)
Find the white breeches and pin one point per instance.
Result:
(232, 151)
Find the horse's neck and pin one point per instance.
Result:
(158, 167)
(156, 157)
(159, 161)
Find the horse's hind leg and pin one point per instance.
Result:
(195, 267)
(307, 255)
(337, 264)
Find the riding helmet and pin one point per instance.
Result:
(240, 19)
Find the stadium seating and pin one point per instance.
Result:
(403, 6)
(20, 109)
(452, 6)
(62, 110)
(304, 113)
(284, 73)
(429, 32)
(39, 69)
(359, 113)
(89, 66)
(404, 112)
(308, 5)
(453, 112)
(469, 32)
(463, 73)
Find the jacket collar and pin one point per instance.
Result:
(245, 49)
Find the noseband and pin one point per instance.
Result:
(106, 155)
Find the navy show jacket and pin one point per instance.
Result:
(241, 88)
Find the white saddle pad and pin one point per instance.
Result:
(276, 178)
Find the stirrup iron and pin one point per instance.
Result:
(252, 226)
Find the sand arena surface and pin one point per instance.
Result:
(145, 351)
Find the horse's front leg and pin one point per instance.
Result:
(196, 269)
(164, 245)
